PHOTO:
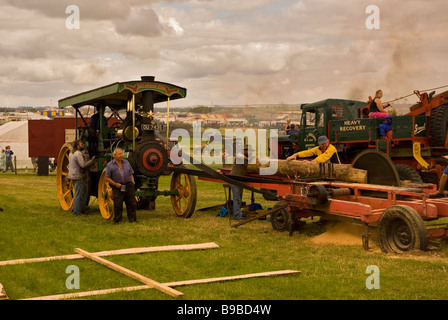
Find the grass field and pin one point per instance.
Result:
(33, 225)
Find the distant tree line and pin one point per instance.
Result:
(29, 109)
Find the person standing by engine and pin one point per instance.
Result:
(76, 172)
(239, 168)
(119, 175)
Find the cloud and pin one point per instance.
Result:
(92, 10)
(141, 21)
(229, 52)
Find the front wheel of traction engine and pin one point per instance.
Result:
(184, 202)
(105, 197)
(401, 229)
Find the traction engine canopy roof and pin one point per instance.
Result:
(117, 95)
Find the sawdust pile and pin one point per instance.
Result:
(345, 233)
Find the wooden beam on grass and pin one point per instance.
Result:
(3, 295)
(170, 284)
(149, 282)
(210, 245)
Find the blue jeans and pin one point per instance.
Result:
(236, 192)
(81, 193)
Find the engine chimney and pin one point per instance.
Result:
(148, 96)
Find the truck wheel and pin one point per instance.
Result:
(438, 126)
(401, 229)
(406, 172)
(280, 220)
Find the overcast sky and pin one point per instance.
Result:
(225, 51)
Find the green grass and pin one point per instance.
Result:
(33, 225)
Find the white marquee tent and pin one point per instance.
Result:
(15, 135)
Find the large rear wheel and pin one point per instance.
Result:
(65, 187)
(401, 229)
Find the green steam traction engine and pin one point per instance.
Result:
(139, 137)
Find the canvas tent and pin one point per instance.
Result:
(15, 135)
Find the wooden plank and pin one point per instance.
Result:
(170, 284)
(210, 245)
(129, 273)
(231, 278)
(3, 295)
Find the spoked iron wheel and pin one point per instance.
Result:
(105, 197)
(184, 202)
(65, 187)
(401, 229)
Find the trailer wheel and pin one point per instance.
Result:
(280, 220)
(406, 172)
(184, 202)
(438, 126)
(401, 229)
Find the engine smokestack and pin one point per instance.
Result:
(148, 96)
